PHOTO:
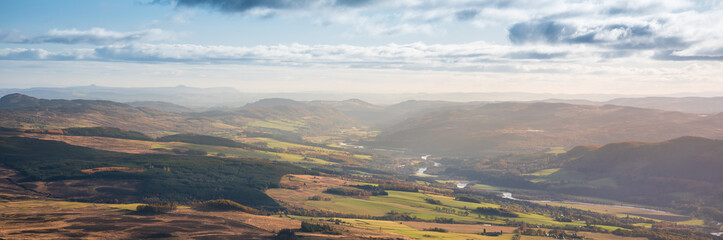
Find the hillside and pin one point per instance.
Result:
(382, 116)
(292, 116)
(20, 111)
(286, 117)
(162, 106)
(80, 173)
(685, 170)
(509, 127)
(183, 95)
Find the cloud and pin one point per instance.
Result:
(41, 54)
(535, 55)
(473, 56)
(465, 15)
(242, 6)
(93, 36)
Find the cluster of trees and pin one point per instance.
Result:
(468, 199)
(443, 220)
(494, 212)
(345, 191)
(433, 201)
(436, 229)
(375, 190)
(322, 213)
(399, 186)
(223, 205)
(452, 211)
(311, 227)
(664, 231)
(155, 208)
(319, 198)
(397, 216)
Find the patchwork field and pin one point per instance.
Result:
(298, 189)
(622, 211)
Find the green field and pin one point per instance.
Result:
(556, 150)
(544, 172)
(415, 204)
(240, 152)
(290, 126)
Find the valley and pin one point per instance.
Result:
(333, 165)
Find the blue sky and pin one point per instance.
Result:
(557, 46)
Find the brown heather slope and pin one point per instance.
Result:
(509, 127)
(21, 111)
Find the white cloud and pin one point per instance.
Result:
(93, 36)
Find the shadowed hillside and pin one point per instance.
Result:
(680, 172)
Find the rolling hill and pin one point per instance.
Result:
(678, 172)
(683, 104)
(21, 111)
(162, 106)
(700, 105)
(284, 117)
(510, 127)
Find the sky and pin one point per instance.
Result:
(403, 46)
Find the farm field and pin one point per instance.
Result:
(622, 211)
(290, 126)
(299, 189)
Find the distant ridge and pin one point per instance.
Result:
(517, 127)
(17, 101)
(163, 106)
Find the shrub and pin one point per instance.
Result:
(223, 205)
(468, 199)
(436, 229)
(286, 234)
(319, 198)
(443, 220)
(154, 208)
(433, 201)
